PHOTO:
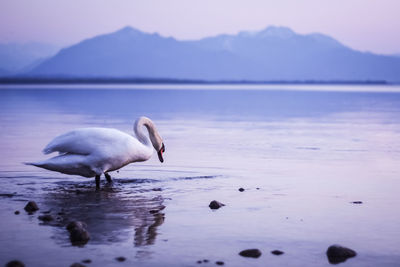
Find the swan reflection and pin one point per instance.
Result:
(114, 214)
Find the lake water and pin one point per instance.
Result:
(302, 154)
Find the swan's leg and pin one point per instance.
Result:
(108, 177)
(97, 182)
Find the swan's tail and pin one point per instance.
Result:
(68, 164)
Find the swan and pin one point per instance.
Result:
(90, 152)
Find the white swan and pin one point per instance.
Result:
(89, 152)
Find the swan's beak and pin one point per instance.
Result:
(162, 150)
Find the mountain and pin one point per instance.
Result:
(15, 57)
(275, 53)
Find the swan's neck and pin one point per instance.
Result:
(154, 139)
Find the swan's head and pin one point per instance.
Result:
(155, 137)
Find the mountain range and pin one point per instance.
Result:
(275, 53)
(17, 58)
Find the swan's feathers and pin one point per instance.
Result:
(86, 141)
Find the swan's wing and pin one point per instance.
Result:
(85, 141)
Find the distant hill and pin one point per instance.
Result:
(15, 57)
(275, 53)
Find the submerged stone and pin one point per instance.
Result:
(120, 259)
(241, 189)
(46, 218)
(338, 254)
(219, 263)
(77, 265)
(78, 233)
(15, 263)
(277, 252)
(251, 253)
(215, 205)
(76, 224)
(31, 206)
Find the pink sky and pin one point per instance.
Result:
(367, 25)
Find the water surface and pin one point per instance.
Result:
(302, 157)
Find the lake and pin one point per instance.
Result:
(302, 154)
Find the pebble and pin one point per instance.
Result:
(46, 218)
(241, 189)
(337, 254)
(357, 202)
(15, 263)
(16, 212)
(252, 253)
(219, 263)
(215, 205)
(31, 206)
(120, 259)
(277, 252)
(78, 233)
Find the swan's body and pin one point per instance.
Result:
(90, 152)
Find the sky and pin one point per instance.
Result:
(366, 25)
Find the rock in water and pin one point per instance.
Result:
(46, 218)
(121, 259)
(252, 253)
(215, 205)
(77, 265)
(31, 206)
(338, 254)
(219, 263)
(277, 252)
(241, 189)
(78, 233)
(15, 264)
(76, 224)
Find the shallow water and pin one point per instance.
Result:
(301, 156)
